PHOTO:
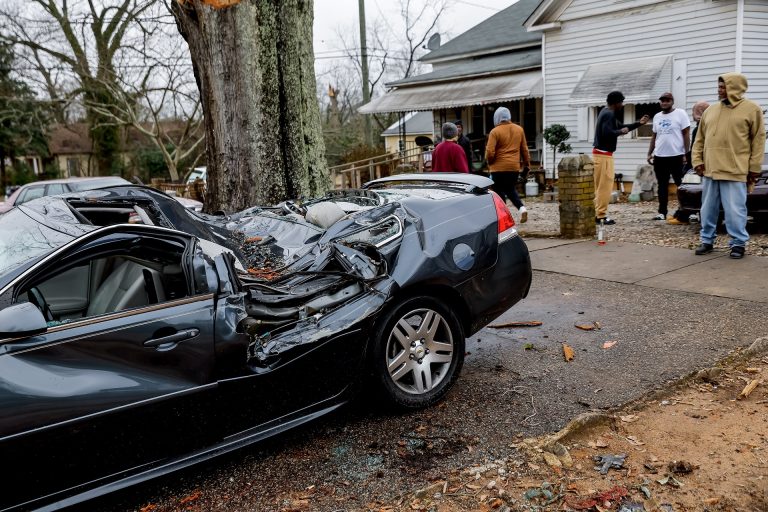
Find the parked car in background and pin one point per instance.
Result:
(128, 351)
(38, 189)
(198, 173)
(689, 196)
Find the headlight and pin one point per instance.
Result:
(692, 178)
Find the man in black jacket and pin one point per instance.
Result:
(464, 143)
(607, 131)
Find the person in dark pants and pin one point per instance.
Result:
(669, 144)
(681, 216)
(465, 143)
(505, 151)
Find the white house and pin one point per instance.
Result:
(643, 48)
(495, 63)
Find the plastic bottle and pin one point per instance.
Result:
(601, 233)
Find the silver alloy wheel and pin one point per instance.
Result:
(419, 351)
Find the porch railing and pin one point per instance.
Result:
(354, 174)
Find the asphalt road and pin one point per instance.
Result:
(514, 382)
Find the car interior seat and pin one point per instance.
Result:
(128, 285)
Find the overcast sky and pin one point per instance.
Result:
(331, 15)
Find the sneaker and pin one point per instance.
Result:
(607, 221)
(737, 252)
(523, 215)
(704, 249)
(694, 218)
(659, 216)
(675, 221)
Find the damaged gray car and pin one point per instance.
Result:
(138, 337)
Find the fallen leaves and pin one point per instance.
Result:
(589, 327)
(531, 323)
(190, 498)
(748, 389)
(568, 352)
(609, 344)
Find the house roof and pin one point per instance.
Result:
(74, 138)
(416, 123)
(640, 80)
(69, 139)
(458, 93)
(546, 12)
(502, 31)
(495, 64)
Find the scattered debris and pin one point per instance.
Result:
(531, 323)
(670, 480)
(543, 495)
(589, 327)
(528, 346)
(597, 499)
(600, 443)
(749, 389)
(632, 507)
(680, 467)
(568, 352)
(629, 418)
(634, 441)
(606, 462)
(552, 460)
(609, 344)
(709, 374)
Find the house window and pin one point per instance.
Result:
(73, 166)
(649, 109)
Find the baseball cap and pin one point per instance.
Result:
(667, 95)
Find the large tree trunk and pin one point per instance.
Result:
(253, 62)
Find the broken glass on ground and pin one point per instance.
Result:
(608, 461)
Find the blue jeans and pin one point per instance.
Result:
(733, 197)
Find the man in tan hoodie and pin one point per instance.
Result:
(728, 153)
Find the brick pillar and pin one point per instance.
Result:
(576, 191)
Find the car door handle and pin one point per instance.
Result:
(172, 339)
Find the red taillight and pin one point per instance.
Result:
(502, 212)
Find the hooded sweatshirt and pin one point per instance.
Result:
(730, 140)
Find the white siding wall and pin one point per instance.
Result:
(588, 8)
(700, 32)
(754, 62)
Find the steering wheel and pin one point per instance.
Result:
(36, 298)
(292, 207)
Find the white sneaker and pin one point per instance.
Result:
(523, 215)
(660, 216)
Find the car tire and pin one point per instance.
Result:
(418, 352)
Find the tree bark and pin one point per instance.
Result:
(254, 66)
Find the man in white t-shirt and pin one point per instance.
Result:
(669, 144)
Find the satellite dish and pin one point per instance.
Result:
(434, 41)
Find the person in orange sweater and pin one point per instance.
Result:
(505, 151)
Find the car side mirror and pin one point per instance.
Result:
(21, 320)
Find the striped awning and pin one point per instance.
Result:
(640, 80)
(461, 93)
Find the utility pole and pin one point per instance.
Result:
(364, 69)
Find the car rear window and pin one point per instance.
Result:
(79, 186)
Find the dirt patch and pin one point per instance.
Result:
(700, 447)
